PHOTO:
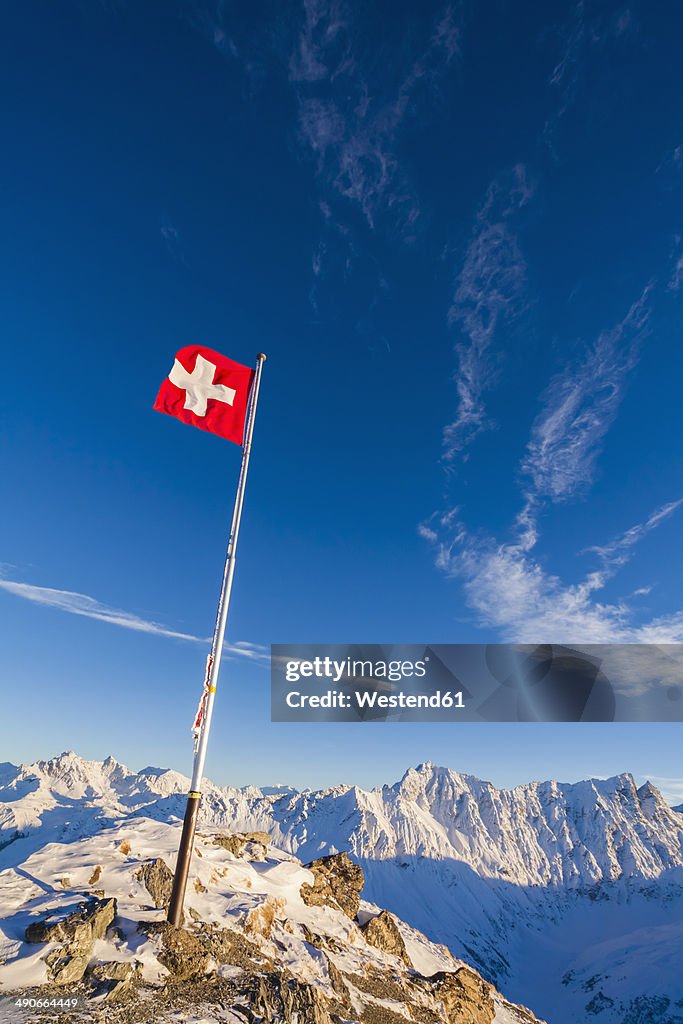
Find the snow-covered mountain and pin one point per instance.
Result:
(265, 939)
(568, 897)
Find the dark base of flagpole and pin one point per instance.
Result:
(175, 907)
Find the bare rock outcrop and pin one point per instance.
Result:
(465, 996)
(182, 952)
(273, 996)
(230, 946)
(157, 878)
(382, 933)
(250, 845)
(114, 979)
(75, 933)
(337, 883)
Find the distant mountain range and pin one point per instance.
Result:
(569, 898)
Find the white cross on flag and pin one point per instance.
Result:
(208, 391)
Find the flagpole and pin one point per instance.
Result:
(175, 909)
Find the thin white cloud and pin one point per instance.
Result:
(209, 20)
(324, 29)
(489, 288)
(511, 591)
(89, 607)
(676, 279)
(617, 551)
(349, 119)
(566, 73)
(585, 34)
(171, 238)
(579, 406)
(669, 171)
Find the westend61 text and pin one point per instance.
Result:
(371, 699)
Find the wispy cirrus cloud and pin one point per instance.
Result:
(587, 31)
(244, 40)
(676, 274)
(506, 585)
(351, 111)
(89, 607)
(171, 237)
(352, 103)
(618, 551)
(323, 46)
(489, 289)
(579, 407)
(510, 589)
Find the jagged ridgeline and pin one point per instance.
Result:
(566, 898)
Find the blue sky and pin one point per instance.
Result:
(457, 232)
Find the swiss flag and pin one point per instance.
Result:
(207, 390)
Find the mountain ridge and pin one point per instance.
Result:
(537, 833)
(561, 874)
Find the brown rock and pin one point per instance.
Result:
(88, 923)
(251, 845)
(114, 979)
(337, 982)
(382, 933)
(65, 968)
(76, 934)
(182, 952)
(228, 946)
(274, 997)
(157, 878)
(337, 883)
(312, 937)
(373, 1013)
(114, 970)
(466, 997)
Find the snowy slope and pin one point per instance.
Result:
(565, 876)
(259, 902)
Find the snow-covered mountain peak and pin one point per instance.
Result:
(649, 792)
(68, 772)
(490, 872)
(429, 779)
(166, 780)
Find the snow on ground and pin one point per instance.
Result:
(223, 891)
(509, 879)
(260, 899)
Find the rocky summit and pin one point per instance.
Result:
(337, 883)
(265, 940)
(583, 878)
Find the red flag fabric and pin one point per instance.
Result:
(207, 390)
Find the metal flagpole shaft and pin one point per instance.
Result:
(175, 909)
